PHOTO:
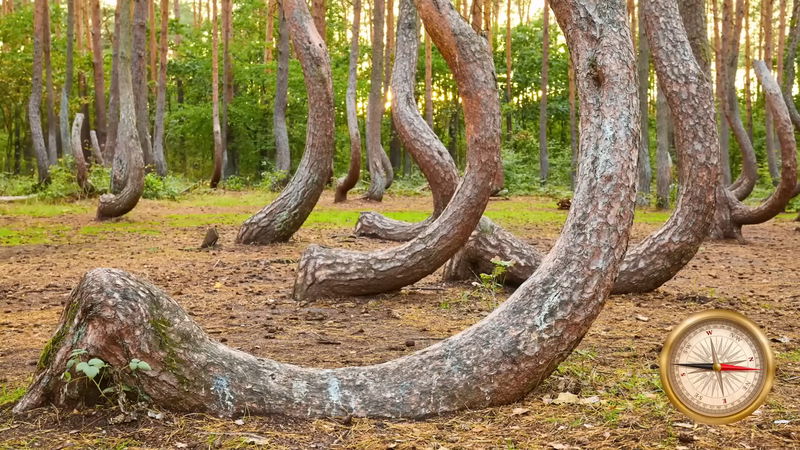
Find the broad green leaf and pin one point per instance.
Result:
(71, 363)
(97, 362)
(144, 366)
(91, 371)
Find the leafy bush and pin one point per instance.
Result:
(235, 183)
(169, 187)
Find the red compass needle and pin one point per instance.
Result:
(725, 367)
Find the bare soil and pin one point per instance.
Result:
(241, 295)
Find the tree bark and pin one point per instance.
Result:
(333, 272)
(663, 161)
(283, 158)
(416, 135)
(115, 317)
(353, 173)
(219, 149)
(99, 77)
(724, 132)
(128, 158)
(748, 63)
(428, 80)
(97, 152)
(278, 221)
(52, 146)
(230, 157)
(643, 68)
(113, 105)
(573, 127)
(476, 15)
(768, 8)
(152, 51)
(508, 66)
(139, 63)
(544, 163)
(318, 12)
(161, 94)
(380, 168)
(81, 174)
(35, 100)
(793, 40)
(268, 33)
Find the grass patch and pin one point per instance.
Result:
(9, 395)
(791, 356)
(257, 199)
(43, 209)
(10, 237)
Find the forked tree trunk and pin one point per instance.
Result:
(278, 221)
(380, 168)
(128, 159)
(77, 152)
(351, 179)
(219, 148)
(99, 75)
(116, 317)
(335, 272)
(417, 136)
(161, 95)
(140, 78)
(283, 158)
(35, 100)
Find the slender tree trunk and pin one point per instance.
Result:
(35, 100)
(113, 104)
(573, 126)
(748, 63)
(428, 80)
(99, 74)
(230, 157)
(793, 40)
(269, 40)
(380, 168)
(283, 158)
(161, 94)
(128, 154)
(643, 69)
(216, 174)
(349, 181)
(768, 8)
(724, 132)
(663, 161)
(97, 153)
(52, 145)
(140, 78)
(395, 149)
(318, 12)
(81, 173)
(476, 15)
(508, 67)
(487, 24)
(278, 221)
(544, 163)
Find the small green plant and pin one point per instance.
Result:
(96, 370)
(491, 284)
(235, 183)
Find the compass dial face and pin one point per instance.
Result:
(717, 367)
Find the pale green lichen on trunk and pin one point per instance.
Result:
(161, 326)
(46, 357)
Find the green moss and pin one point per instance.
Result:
(41, 209)
(162, 326)
(32, 235)
(52, 346)
(791, 356)
(10, 395)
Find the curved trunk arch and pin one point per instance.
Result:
(278, 221)
(114, 316)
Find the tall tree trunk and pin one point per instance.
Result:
(283, 158)
(643, 69)
(161, 94)
(35, 100)
(549, 315)
(278, 221)
(128, 158)
(349, 181)
(52, 145)
(789, 71)
(428, 80)
(663, 161)
(508, 67)
(768, 8)
(573, 126)
(152, 51)
(219, 149)
(544, 163)
(139, 63)
(380, 168)
(99, 74)
(336, 272)
(748, 63)
(113, 104)
(81, 174)
(724, 132)
(476, 15)
(230, 157)
(318, 13)
(268, 38)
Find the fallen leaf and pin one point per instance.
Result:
(589, 400)
(520, 411)
(566, 398)
(642, 318)
(781, 422)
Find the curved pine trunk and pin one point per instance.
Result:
(354, 172)
(278, 221)
(334, 272)
(116, 317)
(128, 159)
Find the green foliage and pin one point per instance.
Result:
(159, 188)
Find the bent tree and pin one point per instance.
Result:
(128, 158)
(116, 317)
(278, 221)
(331, 272)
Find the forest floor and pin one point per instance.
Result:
(241, 296)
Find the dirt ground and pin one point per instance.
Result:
(241, 296)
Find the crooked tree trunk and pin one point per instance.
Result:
(793, 40)
(140, 78)
(278, 221)
(161, 94)
(81, 174)
(354, 171)
(417, 136)
(35, 100)
(219, 146)
(99, 75)
(128, 159)
(334, 272)
(283, 158)
(661, 255)
(380, 168)
(115, 316)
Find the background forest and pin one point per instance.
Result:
(539, 128)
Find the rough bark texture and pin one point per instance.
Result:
(769, 119)
(417, 136)
(140, 78)
(380, 168)
(573, 127)
(35, 100)
(663, 162)
(128, 159)
(643, 69)
(281, 219)
(99, 75)
(161, 94)
(334, 272)
(219, 149)
(81, 173)
(697, 7)
(499, 360)
(354, 171)
(428, 80)
(544, 163)
(283, 158)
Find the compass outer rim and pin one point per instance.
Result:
(760, 339)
